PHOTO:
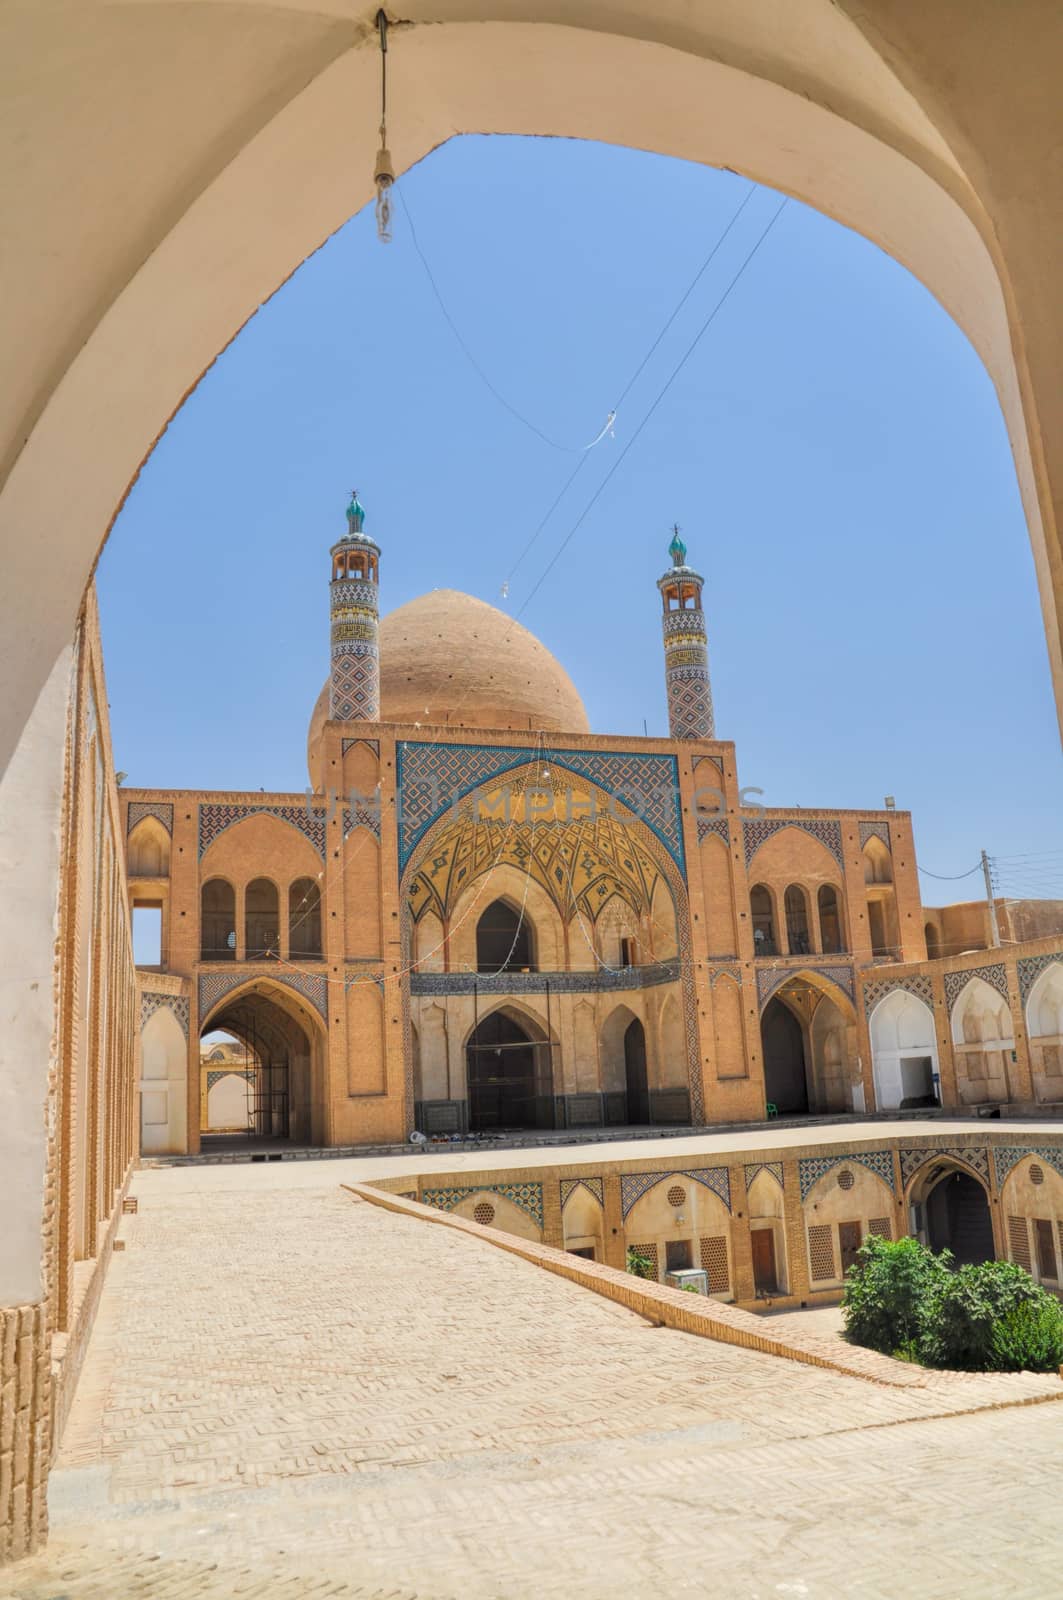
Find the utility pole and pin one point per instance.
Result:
(994, 931)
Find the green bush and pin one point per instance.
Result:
(963, 1314)
(886, 1292)
(1029, 1338)
(640, 1266)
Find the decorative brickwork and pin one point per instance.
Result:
(1008, 1156)
(434, 777)
(25, 1433)
(771, 978)
(759, 830)
(214, 986)
(995, 974)
(152, 1002)
(528, 1197)
(633, 1185)
(880, 1227)
(877, 989)
(1030, 969)
(686, 674)
(822, 1268)
(716, 825)
(215, 818)
(875, 830)
(811, 1168)
(362, 815)
(216, 1074)
(774, 1167)
(161, 810)
(602, 981)
(370, 744)
(594, 1187)
(729, 969)
(713, 1253)
(974, 1156)
(647, 1252)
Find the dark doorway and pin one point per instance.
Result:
(785, 1078)
(765, 1274)
(850, 1241)
(503, 940)
(1046, 1248)
(957, 1219)
(638, 1091)
(509, 1077)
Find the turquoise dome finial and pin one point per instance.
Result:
(355, 513)
(677, 549)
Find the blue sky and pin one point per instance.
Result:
(833, 451)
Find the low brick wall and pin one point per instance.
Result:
(672, 1308)
(25, 1429)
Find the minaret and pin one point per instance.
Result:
(354, 674)
(686, 653)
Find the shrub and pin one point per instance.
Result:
(639, 1266)
(1029, 1337)
(887, 1290)
(962, 1315)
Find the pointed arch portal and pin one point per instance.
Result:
(510, 1074)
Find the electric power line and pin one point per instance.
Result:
(676, 370)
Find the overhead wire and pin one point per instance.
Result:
(676, 370)
(703, 329)
(630, 384)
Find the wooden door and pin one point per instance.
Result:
(765, 1280)
(1046, 1249)
(849, 1240)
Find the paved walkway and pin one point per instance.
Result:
(293, 1393)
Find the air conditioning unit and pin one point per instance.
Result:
(688, 1278)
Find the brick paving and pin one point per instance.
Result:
(293, 1393)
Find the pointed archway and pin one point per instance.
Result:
(510, 1078)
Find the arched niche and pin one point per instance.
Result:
(505, 937)
(1044, 1028)
(1031, 1201)
(982, 1043)
(904, 1053)
(842, 1208)
(767, 1229)
(686, 1224)
(583, 1223)
(148, 850)
(163, 1085)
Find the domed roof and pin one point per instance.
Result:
(447, 659)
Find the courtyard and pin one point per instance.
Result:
(291, 1392)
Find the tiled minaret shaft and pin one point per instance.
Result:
(354, 674)
(686, 651)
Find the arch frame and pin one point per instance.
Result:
(667, 868)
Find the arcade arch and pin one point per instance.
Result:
(904, 1053)
(509, 1072)
(1044, 1029)
(286, 1040)
(949, 1210)
(982, 1041)
(809, 1043)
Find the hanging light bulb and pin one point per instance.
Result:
(383, 177)
(384, 171)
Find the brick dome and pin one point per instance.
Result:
(447, 659)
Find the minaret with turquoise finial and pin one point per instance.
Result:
(354, 673)
(686, 650)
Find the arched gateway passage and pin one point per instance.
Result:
(510, 1077)
(278, 1073)
(950, 1208)
(785, 1068)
